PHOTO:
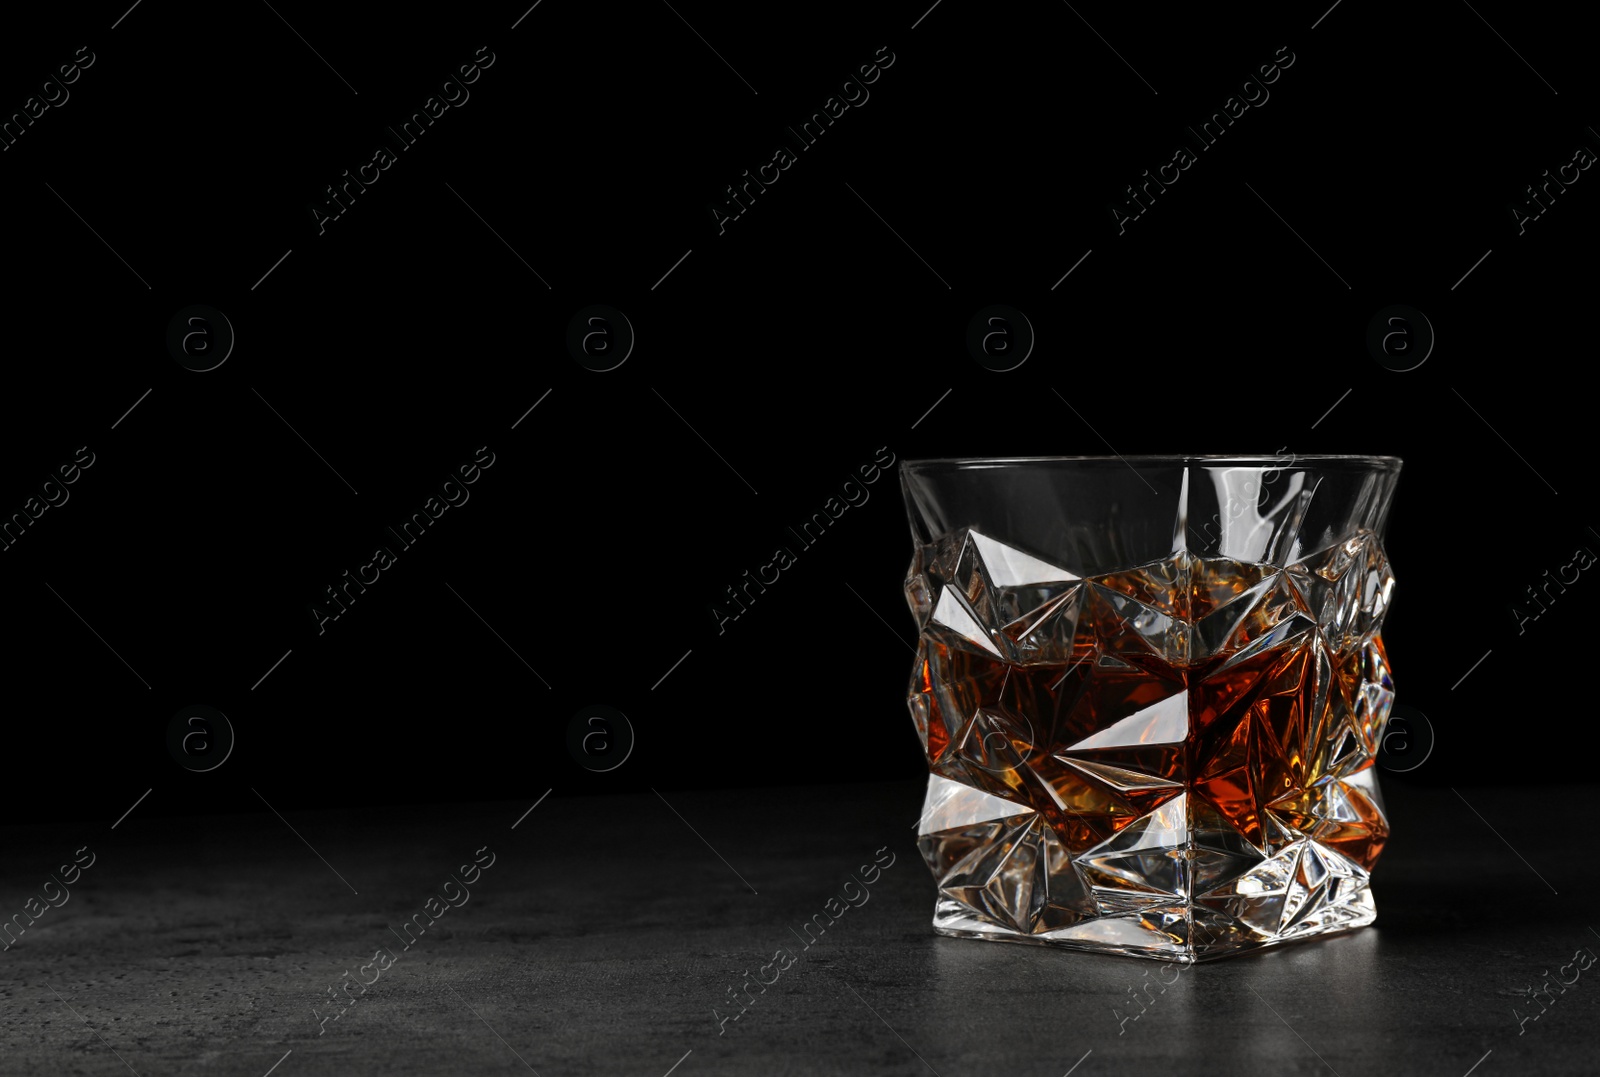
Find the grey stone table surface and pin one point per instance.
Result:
(605, 934)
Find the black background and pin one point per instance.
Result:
(793, 346)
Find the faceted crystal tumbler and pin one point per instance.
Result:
(1151, 691)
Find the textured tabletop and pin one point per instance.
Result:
(609, 936)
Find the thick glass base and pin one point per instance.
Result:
(1186, 934)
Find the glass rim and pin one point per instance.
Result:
(1377, 463)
